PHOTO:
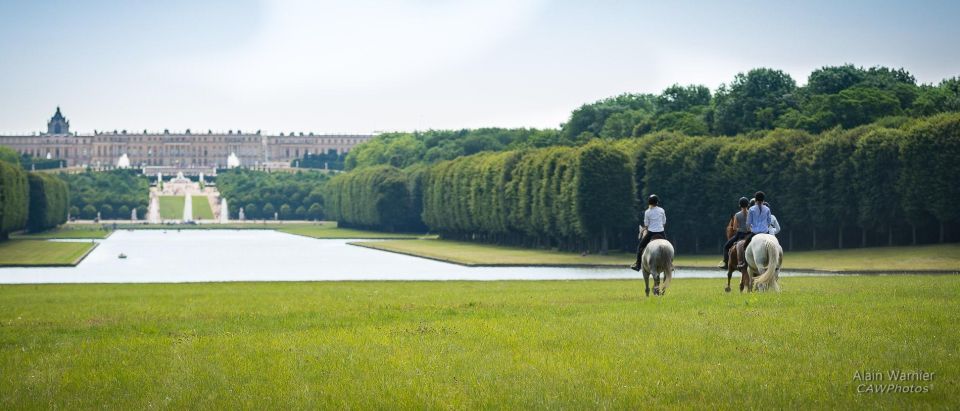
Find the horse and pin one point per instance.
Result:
(733, 261)
(657, 258)
(764, 254)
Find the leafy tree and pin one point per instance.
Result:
(753, 100)
(106, 211)
(677, 98)
(268, 211)
(88, 212)
(591, 117)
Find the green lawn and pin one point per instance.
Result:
(201, 208)
(330, 230)
(39, 252)
(503, 345)
(171, 207)
(77, 231)
(944, 257)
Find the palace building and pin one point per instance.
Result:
(178, 150)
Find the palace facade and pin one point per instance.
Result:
(166, 149)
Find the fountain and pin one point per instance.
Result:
(233, 161)
(187, 208)
(224, 214)
(242, 217)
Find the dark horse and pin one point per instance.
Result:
(734, 259)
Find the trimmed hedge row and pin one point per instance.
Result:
(49, 201)
(14, 199)
(573, 198)
(373, 198)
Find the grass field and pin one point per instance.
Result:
(77, 231)
(201, 208)
(38, 252)
(505, 345)
(943, 257)
(330, 230)
(171, 207)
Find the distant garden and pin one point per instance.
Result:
(290, 196)
(114, 194)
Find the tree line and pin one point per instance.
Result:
(758, 100)
(29, 200)
(289, 196)
(113, 193)
(890, 182)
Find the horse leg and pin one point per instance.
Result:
(656, 283)
(646, 280)
(729, 277)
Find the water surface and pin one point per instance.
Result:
(265, 255)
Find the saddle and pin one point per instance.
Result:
(657, 236)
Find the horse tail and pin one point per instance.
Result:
(771, 276)
(667, 265)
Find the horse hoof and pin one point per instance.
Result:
(727, 289)
(656, 291)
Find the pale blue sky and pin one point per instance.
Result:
(362, 65)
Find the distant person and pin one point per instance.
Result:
(758, 220)
(654, 220)
(740, 227)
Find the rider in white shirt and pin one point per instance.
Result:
(654, 219)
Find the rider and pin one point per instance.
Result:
(758, 220)
(654, 219)
(740, 223)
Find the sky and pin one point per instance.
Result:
(364, 66)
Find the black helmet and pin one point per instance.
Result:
(744, 202)
(653, 199)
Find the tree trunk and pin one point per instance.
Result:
(840, 237)
(604, 244)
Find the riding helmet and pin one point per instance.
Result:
(653, 199)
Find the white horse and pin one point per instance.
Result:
(657, 258)
(765, 255)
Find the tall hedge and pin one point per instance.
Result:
(49, 202)
(14, 199)
(374, 198)
(558, 196)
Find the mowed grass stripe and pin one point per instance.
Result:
(941, 257)
(201, 208)
(171, 207)
(512, 345)
(39, 252)
(77, 231)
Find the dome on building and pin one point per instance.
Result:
(123, 161)
(233, 161)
